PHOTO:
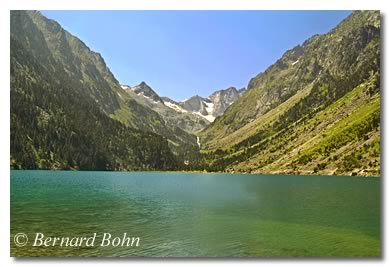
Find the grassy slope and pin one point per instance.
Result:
(339, 144)
(316, 110)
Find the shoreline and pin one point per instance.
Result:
(207, 172)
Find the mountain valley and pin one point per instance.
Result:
(316, 110)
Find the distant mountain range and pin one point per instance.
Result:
(316, 110)
(212, 106)
(208, 108)
(172, 115)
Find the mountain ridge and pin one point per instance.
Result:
(212, 106)
(316, 110)
(300, 85)
(205, 107)
(51, 71)
(174, 117)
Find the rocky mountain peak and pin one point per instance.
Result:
(214, 105)
(145, 90)
(195, 104)
(222, 99)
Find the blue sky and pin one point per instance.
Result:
(184, 53)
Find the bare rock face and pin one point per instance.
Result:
(214, 105)
(196, 104)
(222, 99)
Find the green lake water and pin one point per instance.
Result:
(198, 215)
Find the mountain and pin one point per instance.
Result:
(128, 110)
(69, 112)
(315, 110)
(214, 105)
(199, 105)
(191, 115)
(173, 115)
(222, 99)
(144, 90)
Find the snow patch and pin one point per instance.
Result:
(175, 107)
(209, 107)
(149, 98)
(292, 64)
(210, 118)
(125, 87)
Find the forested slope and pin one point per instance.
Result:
(62, 100)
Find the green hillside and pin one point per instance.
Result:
(316, 110)
(63, 99)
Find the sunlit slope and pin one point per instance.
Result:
(304, 114)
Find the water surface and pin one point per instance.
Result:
(188, 214)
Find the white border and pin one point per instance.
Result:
(6, 5)
(196, 4)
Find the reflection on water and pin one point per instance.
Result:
(186, 214)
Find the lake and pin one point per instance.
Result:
(198, 215)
